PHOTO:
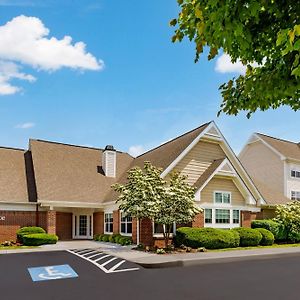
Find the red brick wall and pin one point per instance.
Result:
(134, 230)
(51, 221)
(146, 232)
(64, 225)
(13, 221)
(247, 217)
(116, 226)
(198, 220)
(98, 222)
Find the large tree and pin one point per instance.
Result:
(147, 195)
(263, 34)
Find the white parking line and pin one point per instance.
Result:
(95, 262)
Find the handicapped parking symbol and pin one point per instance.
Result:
(52, 272)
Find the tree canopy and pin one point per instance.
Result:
(263, 34)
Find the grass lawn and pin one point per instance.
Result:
(16, 247)
(256, 247)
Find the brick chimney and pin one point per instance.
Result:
(109, 161)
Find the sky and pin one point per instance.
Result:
(104, 72)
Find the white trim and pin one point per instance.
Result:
(17, 207)
(69, 204)
(222, 203)
(185, 151)
(108, 212)
(89, 229)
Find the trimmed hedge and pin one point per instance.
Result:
(37, 239)
(113, 238)
(267, 237)
(278, 230)
(28, 230)
(209, 238)
(248, 236)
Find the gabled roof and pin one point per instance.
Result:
(70, 173)
(163, 155)
(13, 185)
(208, 173)
(286, 148)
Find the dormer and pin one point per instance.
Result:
(109, 160)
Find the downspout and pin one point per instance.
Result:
(138, 232)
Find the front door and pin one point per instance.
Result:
(82, 226)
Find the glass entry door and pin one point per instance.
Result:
(82, 226)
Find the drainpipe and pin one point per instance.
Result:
(37, 215)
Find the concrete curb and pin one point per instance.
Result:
(205, 261)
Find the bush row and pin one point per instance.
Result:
(114, 238)
(212, 238)
(35, 236)
(279, 231)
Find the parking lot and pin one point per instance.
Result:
(78, 274)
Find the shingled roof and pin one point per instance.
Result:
(72, 173)
(13, 185)
(286, 148)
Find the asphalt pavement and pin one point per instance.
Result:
(80, 274)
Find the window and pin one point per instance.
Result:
(158, 228)
(208, 215)
(222, 197)
(222, 216)
(235, 216)
(295, 173)
(126, 224)
(108, 222)
(295, 195)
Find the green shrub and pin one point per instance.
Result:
(267, 237)
(248, 236)
(105, 237)
(209, 238)
(37, 239)
(28, 230)
(278, 230)
(117, 238)
(124, 240)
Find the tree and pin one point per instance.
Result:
(288, 215)
(147, 195)
(177, 206)
(264, 35)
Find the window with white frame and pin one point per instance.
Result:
(126, 224)
(108, 222)
(208, 215)
(158, 228)
(295, 173)
(236, 216)
(222, 197)
(222, 216)
(295, 195)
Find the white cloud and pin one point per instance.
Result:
(224, 65)
(24, 40)
(8, 72)
(25, 125)
(136, 150)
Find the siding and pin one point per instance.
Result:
(264, 166)
(198, 160)
(222, 184)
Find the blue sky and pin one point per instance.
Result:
(134, 89)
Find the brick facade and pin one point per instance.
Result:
(134, 230)
(98, 225)
(247, 217)
(198, 220)
(146, 232)
(116, 225)
(51, 221)
(64, 225)
(14, 220)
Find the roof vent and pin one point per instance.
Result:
(109, 160)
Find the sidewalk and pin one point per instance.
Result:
(150, 260)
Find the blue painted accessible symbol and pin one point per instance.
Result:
(52, 272)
